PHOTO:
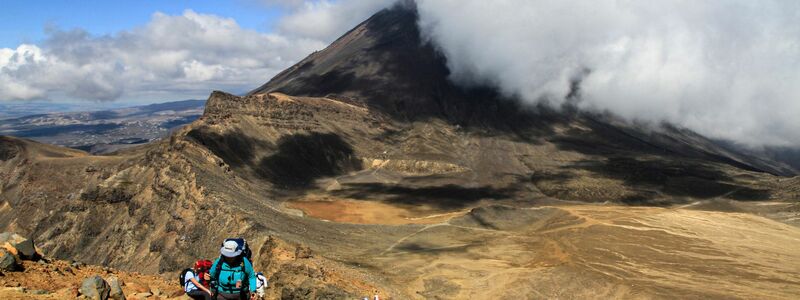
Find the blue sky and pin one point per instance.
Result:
(155, 51)
(26, 21)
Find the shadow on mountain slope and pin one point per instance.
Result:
(670, 177)
(302, 158)
(447, 197)
(9, 148)
(605, 139)
(235, 148)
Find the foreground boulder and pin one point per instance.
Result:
(116, 288)
(27, 251)
(24, 247)
(95, 288)
(8, 262)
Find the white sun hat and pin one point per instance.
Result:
(230, 249)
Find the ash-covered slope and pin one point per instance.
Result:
(385, 64)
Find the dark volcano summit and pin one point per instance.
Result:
(385, 64)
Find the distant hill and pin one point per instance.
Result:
(105, 130)
(15, 109)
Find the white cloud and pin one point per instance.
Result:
(326, 20)
(188, 54)
(727, 69)
(11, 60)
(284, 3)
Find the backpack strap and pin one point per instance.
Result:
(183, 276)
(216, 271)
(245, 279)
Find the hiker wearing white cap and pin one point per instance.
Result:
(233, 273)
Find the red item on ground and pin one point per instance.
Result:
(201, 268)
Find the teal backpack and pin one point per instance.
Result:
(228, 276)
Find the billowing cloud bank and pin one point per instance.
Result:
(326, 20)
(727, 69)
(188, 53)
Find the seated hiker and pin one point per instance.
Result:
(194, 283)
(261, 283)
(232, 274)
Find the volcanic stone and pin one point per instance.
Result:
(8, 263)
(95, 288)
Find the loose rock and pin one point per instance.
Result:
(77, 265)
(116, 288)
(26, 249)
(8, 262)
(95, 288)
